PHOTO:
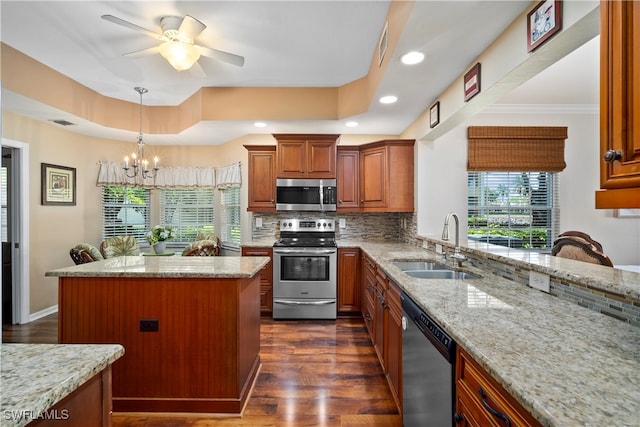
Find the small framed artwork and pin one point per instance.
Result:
(58, 185)
(472, 82)
(434, 115)
(543, 22)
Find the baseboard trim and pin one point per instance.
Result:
(43, 313)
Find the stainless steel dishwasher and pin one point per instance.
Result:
(428, 356)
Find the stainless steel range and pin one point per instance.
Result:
(305, 270)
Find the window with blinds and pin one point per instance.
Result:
(189, 210)
(125, 211)
(230, 218)
(513, 209)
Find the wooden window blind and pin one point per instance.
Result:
(516, 148)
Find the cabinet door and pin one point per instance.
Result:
(262, 179)
(292, 157)
(266, 279)
(373, 175)
(347, 176)
(619, 104)
(368, 294)
(381, 319)
(348, 280)
(321, 159)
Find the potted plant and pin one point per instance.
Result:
(158, 237)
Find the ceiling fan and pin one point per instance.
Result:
(178, 41)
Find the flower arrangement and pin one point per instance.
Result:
(160, 233)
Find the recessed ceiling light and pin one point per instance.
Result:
(412, 58)
(389, 99)
(351, 124)
(260, 124)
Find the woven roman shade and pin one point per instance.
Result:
(516, 148)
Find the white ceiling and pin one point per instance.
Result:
(285, 43)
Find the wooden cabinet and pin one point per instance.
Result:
(266, 279)
(386, 176)
(348, 182)
(306, 156)
(619, 105)
(262, 178)
(393, 346)
(382, 313)
(368, 292)
(481, 401)
(348, 280)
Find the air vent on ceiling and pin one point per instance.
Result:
(63, 122)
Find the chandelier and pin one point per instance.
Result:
(140, 163)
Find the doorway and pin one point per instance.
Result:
(14, 229)
(6, 232)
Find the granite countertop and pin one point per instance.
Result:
(260, 243)
(567, 365)
(37, 376)
(173, 266)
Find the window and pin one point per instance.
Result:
(230, 218)
(125, 211)
(189, 210)
(514, 209)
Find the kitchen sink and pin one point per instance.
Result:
(431, 270)
(441, 274)
(420, 265)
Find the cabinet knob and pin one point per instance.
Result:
(612, 155)
(458, 418)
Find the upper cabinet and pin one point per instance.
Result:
(386, 176)
(348, 182)
(262, 178)
(306, 156)
(619, 105)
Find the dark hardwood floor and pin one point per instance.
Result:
(314, 373)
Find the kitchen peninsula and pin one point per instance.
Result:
(190, 327)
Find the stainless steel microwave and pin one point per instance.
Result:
(306, 194)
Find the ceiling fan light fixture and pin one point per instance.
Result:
(180, 55)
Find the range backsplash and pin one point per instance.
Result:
(396, 227)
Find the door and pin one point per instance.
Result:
(5, 202)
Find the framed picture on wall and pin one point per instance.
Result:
(472, 82)
(543, 21)
(58, 185)
(434, 115)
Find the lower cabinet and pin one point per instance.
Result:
(266, 279)
(349, 281)
(382, 313)
(481, 401)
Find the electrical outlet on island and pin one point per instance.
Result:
(539, 281)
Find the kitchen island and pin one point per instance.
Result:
(61, 384)
(190, 327)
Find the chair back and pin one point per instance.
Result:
(84, 253)
(580, 246)
(120, 246)
(203, 248)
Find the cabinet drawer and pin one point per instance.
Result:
(483, 395)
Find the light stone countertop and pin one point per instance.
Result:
(37, 376)
(567, 365)
(169, 266)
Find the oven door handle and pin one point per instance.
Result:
(292, 302)
(305, 251)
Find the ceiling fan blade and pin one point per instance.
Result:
(143, 52)
(222, 55)
(131, 26)
(190, 28)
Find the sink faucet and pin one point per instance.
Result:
(457, 256)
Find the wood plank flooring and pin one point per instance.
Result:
(314, 373)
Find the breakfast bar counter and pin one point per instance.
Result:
(190, 327)
(67, 384)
